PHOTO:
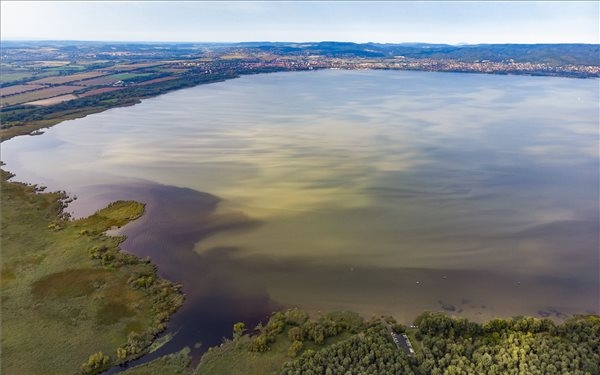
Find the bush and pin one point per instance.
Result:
(259, 344)
(295, 348)
(95, 363)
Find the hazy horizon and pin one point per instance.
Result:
(273, 42)
(452, 23)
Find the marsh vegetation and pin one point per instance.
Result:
(72, 302)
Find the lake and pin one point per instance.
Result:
(382, 192)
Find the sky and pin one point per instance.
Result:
(470, 22)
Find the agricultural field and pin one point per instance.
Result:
(101, 90)
(109, 80)
(13, 75)
(233, 56)
(172, 70)
(59, 80)
(53, 100)
(37, 94)
(17, 89)
(49, 63)
(26, 71)
(71, 68)
(157, 80)
(135, 66)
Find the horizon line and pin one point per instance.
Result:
(285, 42)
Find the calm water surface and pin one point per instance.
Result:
(376, 191)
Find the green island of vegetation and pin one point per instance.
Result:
(72, 303)
(341, 343)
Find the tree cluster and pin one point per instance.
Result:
(456, 346)
(301, 329)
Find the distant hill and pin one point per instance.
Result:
(555, 54)
(552, 54)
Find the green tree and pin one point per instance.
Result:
(295, 348)
(121, 353)
(296, 334)
(238, 330)
(96, 362)
(259, 344)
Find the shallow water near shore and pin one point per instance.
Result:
(376, 191)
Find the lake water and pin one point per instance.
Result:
(377, 191)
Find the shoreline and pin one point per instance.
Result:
(36, 127)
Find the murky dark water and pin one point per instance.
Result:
(175, 219)
(380, 192)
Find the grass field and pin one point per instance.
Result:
(67, 292)
(235, 359)
(172, 364)
(14, 75)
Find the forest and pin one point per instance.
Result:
(344, 343)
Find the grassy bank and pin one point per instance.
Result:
(171, 364)
(71, 301)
